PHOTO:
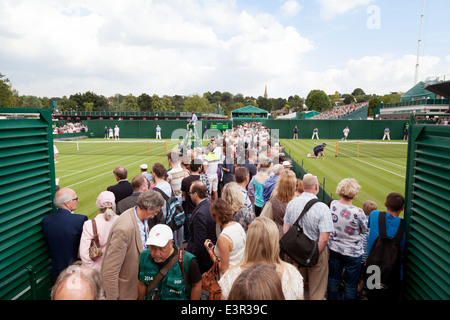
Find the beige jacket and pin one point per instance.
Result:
(120, 266)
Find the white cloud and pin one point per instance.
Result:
(291, 8)
(176, 47)
(374, 74)
(61, 47)
(332, 8)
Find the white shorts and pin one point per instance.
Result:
(214, 181)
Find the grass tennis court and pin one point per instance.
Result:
(87, 166)
(379, 169)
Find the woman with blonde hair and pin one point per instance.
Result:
(103, 222)
(284, 191)
(262, 246)
(345, 243)
(233, 195)
(258, 282)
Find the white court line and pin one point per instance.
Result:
(378, 159)
(84, 154)
(91, 168)
(102, 174)
(377, 167)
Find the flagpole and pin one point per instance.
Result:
(416, 77)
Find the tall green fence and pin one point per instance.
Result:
(27, 187)
(297, 167)
(328, 129)
(427, 213)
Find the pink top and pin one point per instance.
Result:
(103, 228)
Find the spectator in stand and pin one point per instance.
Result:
(159, 175)
(176, 174)
(345, 243)
(201, 226)
(395, 203)
(258, 182)
(228, 166)
(317, 225)
(189, 205)
(299, 190)
(127, 239)
(123, 187)
(181, 282)
(368, 206)
(262, 246)
(103, 221)
(230, 245)
(210, 166)
(62, 231)
(269, 184)
(139, 185)
(242, 177)
(88, 284)
(147, 175)
(283, 193)
(257, 282)
(233, 195)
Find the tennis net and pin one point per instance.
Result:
(373, 149)
(112, 148)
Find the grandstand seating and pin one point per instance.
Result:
(348, 112)
(360, 114)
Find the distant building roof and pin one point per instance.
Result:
(249, 109)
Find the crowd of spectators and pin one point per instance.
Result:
(234, 224)
(339, 111)
(70, 127)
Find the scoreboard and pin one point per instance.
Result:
(219, 126)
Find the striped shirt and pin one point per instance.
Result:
(176, 175)
(316, 221)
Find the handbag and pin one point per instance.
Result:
(94, 249)
(299, 246)
(267, 210)
(210, 282)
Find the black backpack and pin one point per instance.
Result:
(386, 254)
(175, 215)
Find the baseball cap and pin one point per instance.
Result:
(143, 166)
(324, 144)
(106, 199)
(159, 235)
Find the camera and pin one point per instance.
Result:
(210, 245)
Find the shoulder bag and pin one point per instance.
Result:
(267, 211)
(163, 272)
(299, 246)
(94, 249)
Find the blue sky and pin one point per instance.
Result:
(61, 47)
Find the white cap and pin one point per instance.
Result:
(287, 164)
(143, 166)
(159, 235)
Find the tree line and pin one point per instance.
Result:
(208, 102)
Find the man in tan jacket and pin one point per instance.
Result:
(126, 241)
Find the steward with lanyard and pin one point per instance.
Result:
(165, 272)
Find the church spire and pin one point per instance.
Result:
(265, 92)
